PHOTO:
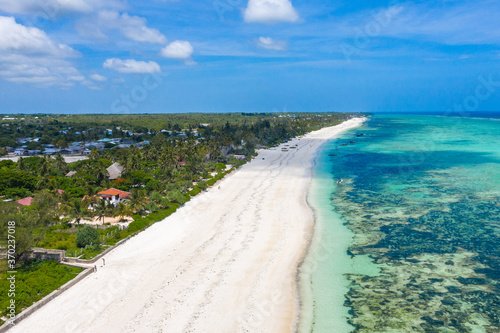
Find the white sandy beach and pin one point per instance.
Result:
(225, 262)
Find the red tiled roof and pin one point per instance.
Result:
(25, 201)
(113, 192)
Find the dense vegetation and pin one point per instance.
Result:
(34, 280)
(207, 144)
(62, 130)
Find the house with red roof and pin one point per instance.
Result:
(25, 201)
(28, 200)
(114, 196)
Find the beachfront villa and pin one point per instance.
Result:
(114, 196)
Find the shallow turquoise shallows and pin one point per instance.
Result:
(409, 241)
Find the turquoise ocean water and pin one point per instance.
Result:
(410, 240)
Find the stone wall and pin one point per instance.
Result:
(46, 254)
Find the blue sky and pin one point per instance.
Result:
(114, 56)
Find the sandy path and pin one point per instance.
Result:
(67, 159)
(226, 262)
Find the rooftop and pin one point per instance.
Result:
(25, 201)
(113, 192)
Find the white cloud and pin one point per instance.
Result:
(29, 55)
(271, 44)
(270, 11)
(16, 38)
(132, 27)
(97, 77)
(43, 71)
(178, 49)
(51, 9)
(131, 66)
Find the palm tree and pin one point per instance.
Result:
(155, 197)
(77, 210)
(137, 200)
(101, 173)
(151, 206)
(102, 209)
(90, 196)
(21, 164)
(60, 163)
(170, 164)
(94, 154)
(122, 210)
(45, 167)
(65, 203)
(132, 162)
(46, 183)
(151, 153)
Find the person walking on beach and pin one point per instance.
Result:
(95, 269)
(103, 262)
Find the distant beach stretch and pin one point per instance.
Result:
(225, 262)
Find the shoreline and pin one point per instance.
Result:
(227, 261)
(316, 245)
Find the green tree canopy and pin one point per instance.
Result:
(86, 236)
